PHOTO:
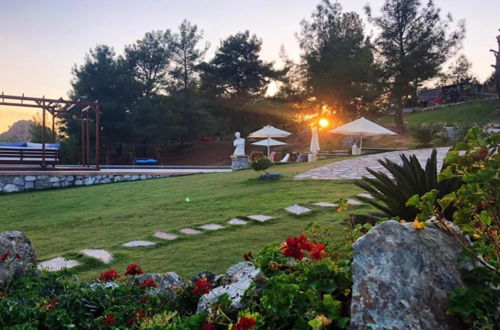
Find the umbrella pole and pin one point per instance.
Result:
(268, 149)
(361, 145)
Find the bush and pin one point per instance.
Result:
(425, 133)
(261, 164)
(408, 179)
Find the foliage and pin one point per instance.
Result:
(408, 179)
(339, 57)
(476, 163)
(261, 164)
(459, 71)
(425, 133)
(414, 42)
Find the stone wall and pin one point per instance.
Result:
(16, 183)
(239, 163)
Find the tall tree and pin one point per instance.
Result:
(415, 40)
(103, 77)
(458, 71)
(237, 71)
(339, 59)
(149, 59)
(497, 65)
(183, 84)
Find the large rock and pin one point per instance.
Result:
(17, 256)
(402, 277)
(240, 276)
(167, 283)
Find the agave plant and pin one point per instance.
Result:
(391, 192)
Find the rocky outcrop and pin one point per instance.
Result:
(401, 278)
(17, 256)
(239, 277)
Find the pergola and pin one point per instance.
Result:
(55, 107)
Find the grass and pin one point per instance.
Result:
(480, 112)
(65, 221)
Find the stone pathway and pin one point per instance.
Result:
(297, 209)
(355, 168)
(260, 217)
(102, 255)
(236, 221)
(354, 202)
(57, 264)
(365, 195)
(165, 236)
(189, 231)
(138, 243)
(325, 204)
(211, 226)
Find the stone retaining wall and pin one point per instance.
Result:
(16, 183)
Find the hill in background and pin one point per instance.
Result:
(19, 131)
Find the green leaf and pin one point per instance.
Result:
(485, 218)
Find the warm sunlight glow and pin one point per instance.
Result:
(272, 89)
(324, 123)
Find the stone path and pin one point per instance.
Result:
(355, 168)
(325, 204)
(260, 217)
(212, 226)
(102, 255)
(189, 231)
(165, 236)
(236, 221)
(57, 264)
(138, 243)
(297, 209)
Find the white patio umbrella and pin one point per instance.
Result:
(268, 132)
(269, 142)
(314, 147)
(362, 127)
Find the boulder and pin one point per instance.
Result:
(167, 283)
(17, 256)
(241, 276)
(401, 277)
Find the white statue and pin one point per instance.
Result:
(239, 144)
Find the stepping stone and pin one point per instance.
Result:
(354, 202)
(189, 231)
(237, 221)
(57, 264)
(260, 217)
(166, 236)
(325, 204)
(297, 209)
(365, 195)
(138, 243)
(102, 255)
(211, 226)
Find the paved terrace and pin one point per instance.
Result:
(355, 168)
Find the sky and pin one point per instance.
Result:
(41, 40)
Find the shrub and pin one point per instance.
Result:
(408, 179)
(425, 133)
(261, 164)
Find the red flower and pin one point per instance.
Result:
(110, 275)
(52, 304)
(244, 323)
(134, 269)
(202, 287)
(137, 315)
(208, 326)
(109, 319)
(4, 256)
(17, 256)
(143, 300)
(148, 284)
(294, 246)
(248, 256)
(317, 251)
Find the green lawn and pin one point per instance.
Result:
(65, 221)
(479, 112)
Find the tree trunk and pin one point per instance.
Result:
(497, 67)
(398, 120)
